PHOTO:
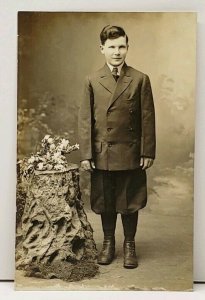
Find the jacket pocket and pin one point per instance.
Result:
(131, 101)
(97, 147)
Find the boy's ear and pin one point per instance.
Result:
(102, 49)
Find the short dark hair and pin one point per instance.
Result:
(112, 32)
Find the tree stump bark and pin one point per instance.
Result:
(56, 239)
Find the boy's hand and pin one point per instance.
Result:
(87, 165)
(146, 162)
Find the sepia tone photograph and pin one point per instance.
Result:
(105, 151)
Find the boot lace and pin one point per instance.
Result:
(130, 246)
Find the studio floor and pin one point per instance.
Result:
(164, 249)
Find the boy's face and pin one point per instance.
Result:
(115, 50)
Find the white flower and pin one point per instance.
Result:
(77, 146)
(58, 167)
(50, 141)
(52, 147)
(40, 166)
(65, 143)
(48, 155)
(46, 137)
(49, 167)
(31, 160)
(42, 158)
(56, 155)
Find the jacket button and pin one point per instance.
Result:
(130, 129)
(131, 111)
(109, 129)
(109, 144)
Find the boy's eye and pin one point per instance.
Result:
(120, 47)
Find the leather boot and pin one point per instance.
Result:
(107, 253)
(130, 257)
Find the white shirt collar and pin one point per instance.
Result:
(119, 68)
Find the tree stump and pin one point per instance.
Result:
(56, 239)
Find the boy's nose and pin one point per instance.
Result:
(117, 51)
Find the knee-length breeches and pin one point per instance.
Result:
(118, 191)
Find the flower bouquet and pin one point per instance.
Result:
(50, 157)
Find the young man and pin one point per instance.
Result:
(117, 142)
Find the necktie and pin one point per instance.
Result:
(114, 73)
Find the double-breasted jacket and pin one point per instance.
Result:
(117, 119)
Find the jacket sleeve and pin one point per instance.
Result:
(148, 135)
(85, 121)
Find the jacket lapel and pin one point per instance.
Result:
(122, 84)
(115, 88)
(106, 79)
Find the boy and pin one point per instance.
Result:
(117, 142)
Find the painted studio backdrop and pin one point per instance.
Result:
(55, 53)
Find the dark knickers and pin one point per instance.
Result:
(118, 191)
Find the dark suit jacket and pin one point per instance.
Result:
(117, 120)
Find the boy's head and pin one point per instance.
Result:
(112, 32)
(114, 45)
